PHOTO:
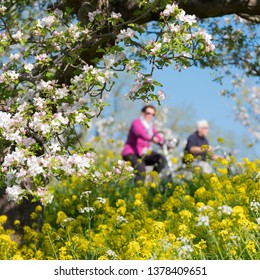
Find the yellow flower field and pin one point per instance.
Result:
(211, 216)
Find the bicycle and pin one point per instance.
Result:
(170, 143)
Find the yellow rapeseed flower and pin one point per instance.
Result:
(67, 202)
(38, 208)
(17, 223)
(121, 207)
(200, 204)
(223, 171)
(61, 216)
(220, 140)
(137, 202)
(200, 192)
(3, 219)
(188, 158)
(185, 214)
(201, 245)
(224, 161)
(34, 216)
(251, 246)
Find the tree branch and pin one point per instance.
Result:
(216, 8)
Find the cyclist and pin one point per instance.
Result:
(198, 146)
(137, 148)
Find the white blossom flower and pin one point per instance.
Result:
(37, 124)
(18, 35)
(5, 120)
(116, 15)
(67, 221)
(156, 48)
(2, 9)
(112, 254)
(161, 95)
(174, 28)
(203, 220)
(109, 60)
(181, 16)
(17, 156)
(12, 75)
(28, 66)
(101, 200)
(59, 120)
(82, 162)
(21, 174)
(28, 141)
(224, 209)
(80, 118)
(46, 21)
(74, 31)
(254, 206)
(185, 250)
(121, 219)
(3, 37)
(92, 15)
(85, 194)
(190, 19)
(125, 33)
(15, 57)
(45, 196)
(169, 10)
(13, 192)
(61, 92)
(14, 136)
(34, 166)
(97, 174)
(41, 57)
(39, 102)
(55, 147)
(86, 210)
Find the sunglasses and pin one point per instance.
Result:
(150, 113)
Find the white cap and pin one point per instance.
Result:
(202, 123)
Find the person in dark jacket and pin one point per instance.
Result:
(198, 146)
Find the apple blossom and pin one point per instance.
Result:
(40, 114)
(46, 22)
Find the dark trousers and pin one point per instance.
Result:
(139, 164)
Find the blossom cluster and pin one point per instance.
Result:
(247, 110)
(177, 28)
(42, 111)
(244, 77)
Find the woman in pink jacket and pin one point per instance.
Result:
(137, 148)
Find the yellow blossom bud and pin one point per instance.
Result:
(3, 219)
(17, 223)
(38, 208)
(137, 202)
(33, 216)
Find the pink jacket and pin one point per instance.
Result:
(138, 139)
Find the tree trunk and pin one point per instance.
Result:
(21, 212)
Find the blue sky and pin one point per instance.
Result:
(196, 87)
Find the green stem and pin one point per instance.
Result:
(52, 246)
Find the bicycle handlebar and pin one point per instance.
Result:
(170, 143)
